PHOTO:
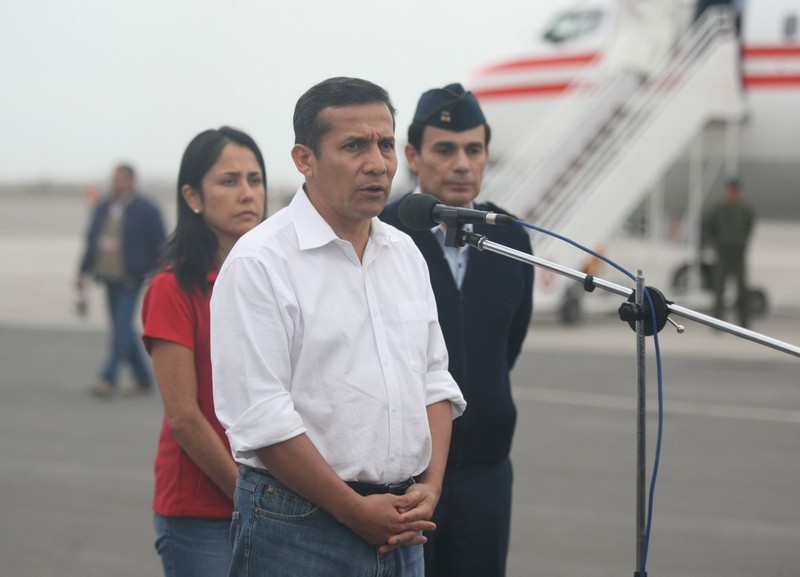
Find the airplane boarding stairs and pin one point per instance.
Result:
(601, 150)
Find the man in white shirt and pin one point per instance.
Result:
(330, 369)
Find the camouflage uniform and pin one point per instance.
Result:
(728, 226)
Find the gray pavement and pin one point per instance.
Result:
(76, 480)
(727, 500)
(76, 476)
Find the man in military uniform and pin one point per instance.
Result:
(728, 226)
(484, 302)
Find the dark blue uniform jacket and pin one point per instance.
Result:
(484, 325)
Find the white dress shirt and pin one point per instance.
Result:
(305, 338)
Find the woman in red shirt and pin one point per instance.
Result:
(221, 196)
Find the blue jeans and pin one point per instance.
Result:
(277, 532)
(122, 299)
(193, 546)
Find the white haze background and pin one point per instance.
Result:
(89, 83)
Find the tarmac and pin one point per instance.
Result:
(76, 479)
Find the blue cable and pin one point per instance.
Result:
(657, 458)
(579, 246)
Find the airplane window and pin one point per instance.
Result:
(572, 25)
(562, 28)
(790, 27)
(591, 22)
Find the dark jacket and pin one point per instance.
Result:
(142, 237)
(728, 227)
(484, 325)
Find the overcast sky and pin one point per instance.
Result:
(88, 83)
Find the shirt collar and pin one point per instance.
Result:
(313, 231)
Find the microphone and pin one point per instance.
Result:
(423, 211)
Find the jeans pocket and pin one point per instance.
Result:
(279, 503)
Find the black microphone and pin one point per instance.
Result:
(423, 211)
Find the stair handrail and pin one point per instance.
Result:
(716, 24)
(536, 148)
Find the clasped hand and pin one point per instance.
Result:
(391, 521)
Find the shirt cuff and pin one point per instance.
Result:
(441, 387)
(261, 426)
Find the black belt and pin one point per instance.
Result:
(366, 489)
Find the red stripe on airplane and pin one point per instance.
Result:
(771, 51)
(521, 90)
(750, 81)
(752, 51)
(573, 59)
(753, 81)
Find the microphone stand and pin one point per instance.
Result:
(637, 313)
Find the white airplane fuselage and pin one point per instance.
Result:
(581, 43)
(522, 89)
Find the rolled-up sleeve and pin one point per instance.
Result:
(250, 341)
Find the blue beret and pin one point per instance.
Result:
(451, 108)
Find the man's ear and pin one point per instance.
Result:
(303, 158)
(411, 157)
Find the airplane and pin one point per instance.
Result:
(624, 117)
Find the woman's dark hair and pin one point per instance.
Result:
(192, 246)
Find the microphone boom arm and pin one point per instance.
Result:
(480, 242)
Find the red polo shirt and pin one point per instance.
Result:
(169, 313)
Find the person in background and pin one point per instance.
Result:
(125, 235)
(330, 370)
(221, 195)
(728, 227)
(485, 304)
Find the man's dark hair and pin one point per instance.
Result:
(416, 129)
(309, 128)
(128, 169)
